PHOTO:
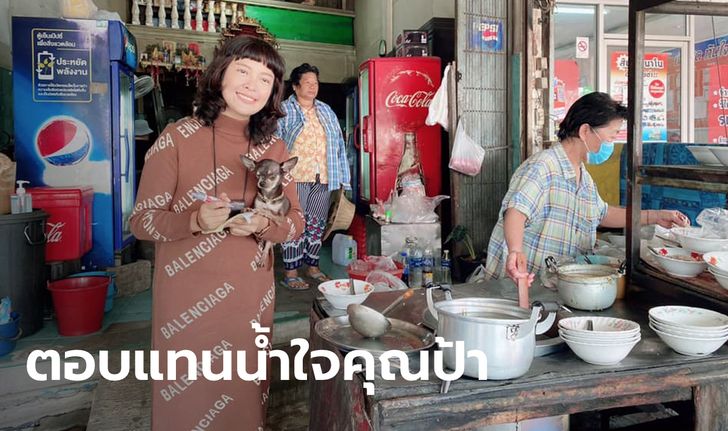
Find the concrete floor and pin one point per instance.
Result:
(127, 326)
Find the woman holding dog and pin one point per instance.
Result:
(208, 291)
(312, 132)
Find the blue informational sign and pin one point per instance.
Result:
(62, 71)
(486, 34)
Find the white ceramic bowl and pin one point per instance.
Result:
(605, 326)
(692, 318)
(690, 333)
(721, 153)
(669, 260)
(722, 279)
(717, 262)
(616, 240)
(596, 339)
(601, 354)
(690, 346)
(337, 292)
(704, 156)
(694, 239)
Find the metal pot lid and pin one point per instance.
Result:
(403, 336)
(484, 310)
(585, 272)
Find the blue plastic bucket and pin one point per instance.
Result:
(110, 294)
(9, 334)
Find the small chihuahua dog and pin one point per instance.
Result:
(270, 201)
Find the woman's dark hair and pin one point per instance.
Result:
(298, 72)
(595, 109)
(209, 101)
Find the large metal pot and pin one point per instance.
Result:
(586, 287)
(505, 332)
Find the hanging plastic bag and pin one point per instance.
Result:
(437, 112)
(467, 156)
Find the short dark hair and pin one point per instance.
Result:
(595, 109)
(209, 101)
(298, 72)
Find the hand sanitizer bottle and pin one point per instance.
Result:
(21, 202)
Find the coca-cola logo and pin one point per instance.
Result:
(55, 233)
(418, 99)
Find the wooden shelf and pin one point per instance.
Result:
(705, 178)
(704, 284)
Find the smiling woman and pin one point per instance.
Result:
(208, 291)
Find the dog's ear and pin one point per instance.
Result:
(289, 164)
(248, 163)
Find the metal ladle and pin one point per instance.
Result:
(371, 323)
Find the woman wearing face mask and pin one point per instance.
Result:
(208, 293)
(552, 207)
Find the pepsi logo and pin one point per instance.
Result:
(63, 141)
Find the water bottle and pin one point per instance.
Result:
(445, 268)
(403, 260)
(415, 274)
(428, 263)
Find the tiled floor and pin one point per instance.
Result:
(127, 326)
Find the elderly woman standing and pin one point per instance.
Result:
(312, 132)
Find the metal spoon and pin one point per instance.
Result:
(371, 323)
(351, 286)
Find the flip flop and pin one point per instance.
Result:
(287, 282)
(320, 277)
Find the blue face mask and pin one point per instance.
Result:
(605, 152)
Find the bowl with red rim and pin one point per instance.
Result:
(717, 262)
(679, 262)
(338, 294)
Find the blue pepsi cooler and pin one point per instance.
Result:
(73, 95)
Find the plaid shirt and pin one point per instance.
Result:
(561, 216)
(290, 126)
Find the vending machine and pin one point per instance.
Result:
(394, 98)
(73, 93)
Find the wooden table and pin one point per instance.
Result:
(556, 384)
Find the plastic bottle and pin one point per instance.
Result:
(445, 268)
(428, 267)
(21, 201)
(415, 264)
(343, 249)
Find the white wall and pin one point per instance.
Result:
(412, 14)
(40, 8)
(378, 20)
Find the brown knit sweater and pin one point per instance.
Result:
(207, 291)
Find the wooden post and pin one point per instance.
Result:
(162, 14)
(187, 16)
(710, 401)
(149, 15)
(234, 18)
(198, 16)
(223, 17)
(135, 13)
(175, 15)
(211, 17)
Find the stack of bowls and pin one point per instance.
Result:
(607, 342)
(339, 296)
(718, 266)
(696, 239)
(688, 330)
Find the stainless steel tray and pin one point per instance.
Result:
(403, 336)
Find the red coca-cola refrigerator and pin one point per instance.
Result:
(394, 97)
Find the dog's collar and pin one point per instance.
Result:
(273, 200)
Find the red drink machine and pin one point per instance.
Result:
(394, 97)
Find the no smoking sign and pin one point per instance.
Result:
(582, 47)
